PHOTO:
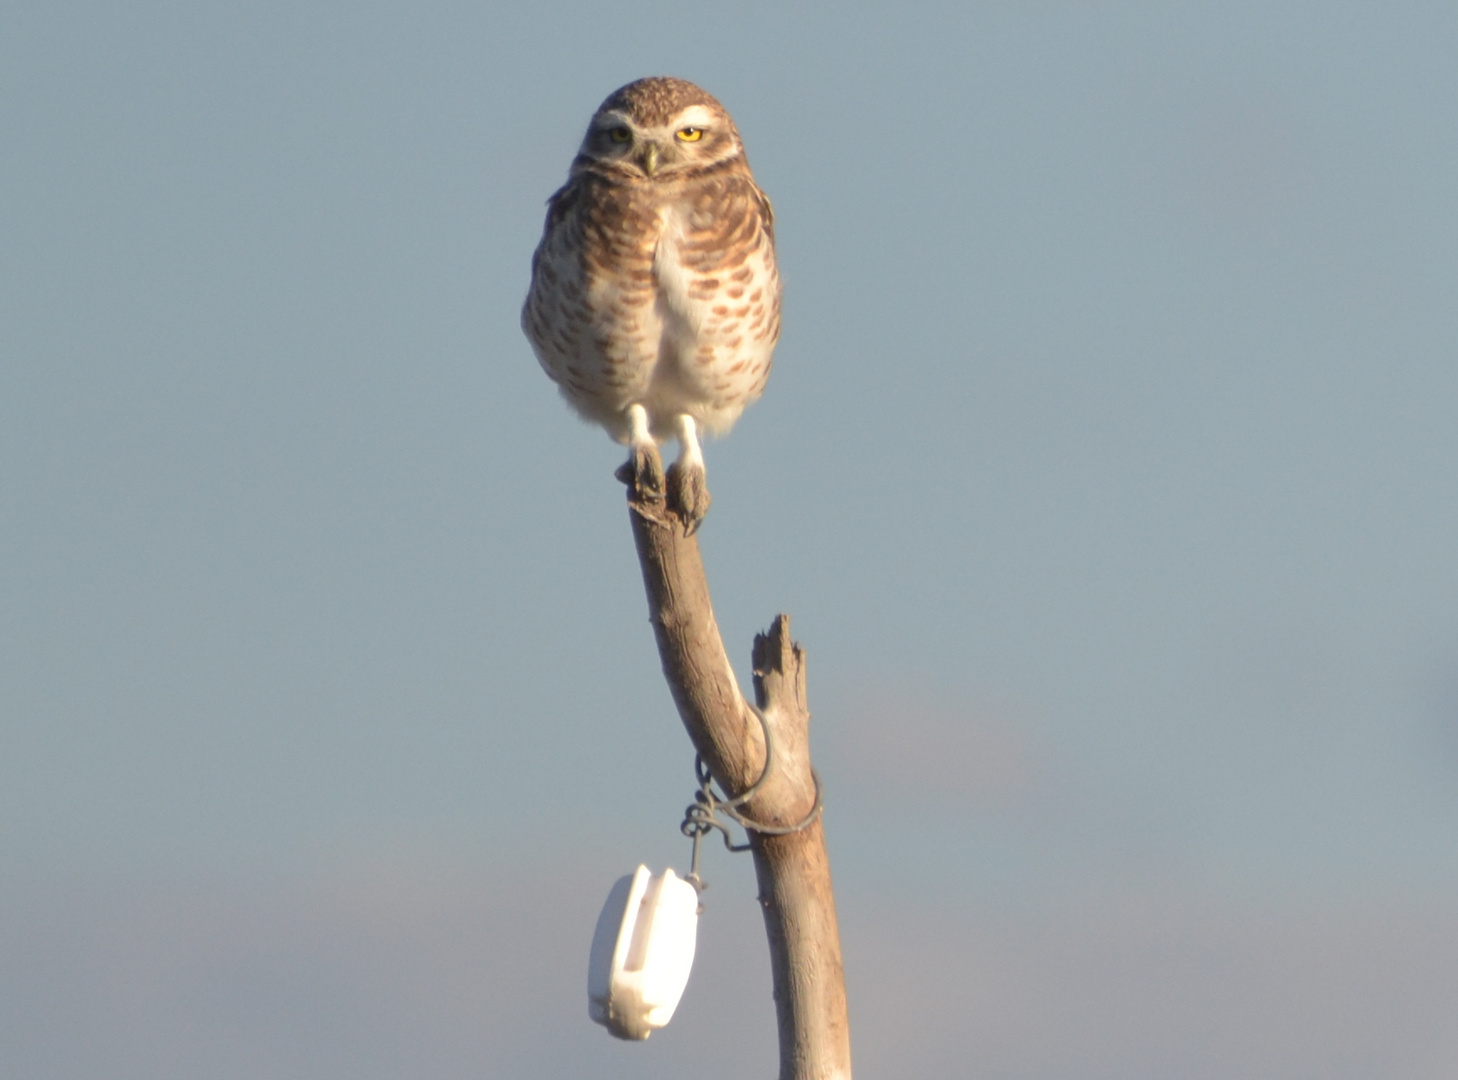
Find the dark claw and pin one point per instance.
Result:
(643, 472)
(688, 495)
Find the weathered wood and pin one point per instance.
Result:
(793, 870)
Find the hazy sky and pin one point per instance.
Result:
(1107, 473)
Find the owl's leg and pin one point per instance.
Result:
(688, 488)
(643, 471)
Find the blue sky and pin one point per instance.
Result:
(1106, 472)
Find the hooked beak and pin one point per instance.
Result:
(650, 158)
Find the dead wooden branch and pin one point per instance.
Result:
(793, 870)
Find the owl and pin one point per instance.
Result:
(655, 299)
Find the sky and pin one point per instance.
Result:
(1106, 473)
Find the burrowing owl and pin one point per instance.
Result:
(655, 301)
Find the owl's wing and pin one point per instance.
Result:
(559, 208)
(766, 212)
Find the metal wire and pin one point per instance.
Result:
(701, 815)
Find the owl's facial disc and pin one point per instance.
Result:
(695, 136)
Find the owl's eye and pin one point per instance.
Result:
(620, 134)
(690, 134)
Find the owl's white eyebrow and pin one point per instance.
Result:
(612, 120)
(695, 116)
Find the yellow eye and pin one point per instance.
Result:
(620, 134)
(690, 134)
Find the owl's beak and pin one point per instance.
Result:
(650, 158)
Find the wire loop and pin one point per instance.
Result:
(702, 815)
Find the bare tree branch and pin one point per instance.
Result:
(793, 869)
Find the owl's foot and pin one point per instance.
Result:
(688, 487)
(643, 471)
(688, 493)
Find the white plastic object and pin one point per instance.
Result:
(642, 951)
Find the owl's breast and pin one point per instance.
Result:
(592, 311)
(718, 299)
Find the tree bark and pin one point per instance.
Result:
(793, 869)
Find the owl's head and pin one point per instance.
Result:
(659, 129)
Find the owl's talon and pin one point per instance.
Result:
(643, 474)
(688, 494)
